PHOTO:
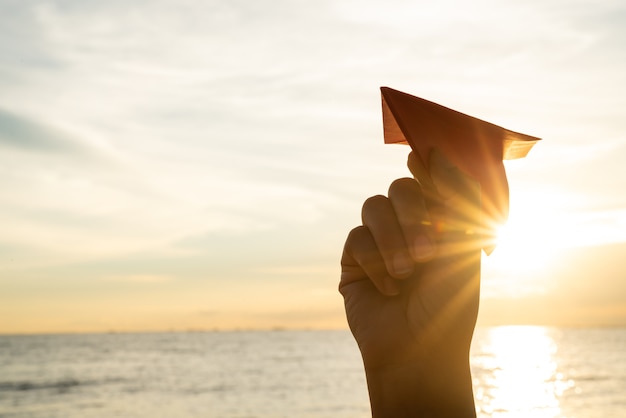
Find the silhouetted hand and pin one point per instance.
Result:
(410, 280)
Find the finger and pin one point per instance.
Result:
(431, 196)
(462, 220)
(380, 218)
(450, 180)
(361, 260)
(459, 192)
(443, 177)
(419, 171)
(408, 203)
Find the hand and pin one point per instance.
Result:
(410, 280)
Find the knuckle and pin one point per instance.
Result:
(357, 234)
(402, 185)
(375, 200)
(373, 205)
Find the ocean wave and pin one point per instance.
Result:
(62, 385)
(58, 385)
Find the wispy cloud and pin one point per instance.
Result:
(21, 132)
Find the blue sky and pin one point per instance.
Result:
(174, 164)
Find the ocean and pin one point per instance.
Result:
(518, 372)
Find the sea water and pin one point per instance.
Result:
(517, 371)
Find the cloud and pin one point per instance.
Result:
(23, 133)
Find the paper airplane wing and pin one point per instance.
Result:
(475, 146)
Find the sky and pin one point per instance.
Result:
(182, 165)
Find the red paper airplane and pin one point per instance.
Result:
(475, 146)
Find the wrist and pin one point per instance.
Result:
(421, 389)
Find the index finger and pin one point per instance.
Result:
(454, 198)
(408, 203)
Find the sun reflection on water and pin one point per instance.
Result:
(516, 373)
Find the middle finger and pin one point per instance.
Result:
(379, 216)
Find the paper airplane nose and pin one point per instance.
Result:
(473, 145)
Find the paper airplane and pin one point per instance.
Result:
(475, 146)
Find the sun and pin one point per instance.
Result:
(519, 248)
(531, 239)
(536, 243)
(526, 253)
